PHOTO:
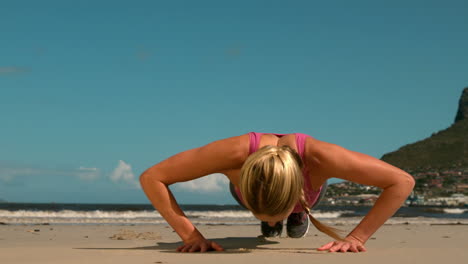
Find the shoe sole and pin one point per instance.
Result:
(305, 233)
(279, 235)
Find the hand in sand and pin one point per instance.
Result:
(350, 244)
(201, 245)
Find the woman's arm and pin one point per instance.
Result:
(188, 165)
(334, 161)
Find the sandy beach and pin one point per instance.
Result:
(401, 243)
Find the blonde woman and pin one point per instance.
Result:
(277, 177)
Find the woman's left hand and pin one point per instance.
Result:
(349, 244)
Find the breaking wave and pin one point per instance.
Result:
(136, 217)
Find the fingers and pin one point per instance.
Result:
(202, 247)
(186, 248)
(339, 246)
(361, 248)
(181, 248)
(194, 248)
(216, 246)
(336, 247)
(345, 247)
(354, 249)
(326, 246)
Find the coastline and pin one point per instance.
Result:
(402, 243)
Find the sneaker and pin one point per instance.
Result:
(297, 225)
(275, 231)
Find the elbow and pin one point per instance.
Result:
(149, 177)
(402, 188)
(143, 178)
(146, 177)
(411, 181)
(407, 183)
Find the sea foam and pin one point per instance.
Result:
(136, 217)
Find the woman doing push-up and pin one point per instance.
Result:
(277, 177)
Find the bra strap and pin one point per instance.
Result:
(254, 141)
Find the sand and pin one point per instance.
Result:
(412, 243)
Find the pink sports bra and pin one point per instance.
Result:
(311, 195)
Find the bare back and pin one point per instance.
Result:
(271, 139)
(224, 156)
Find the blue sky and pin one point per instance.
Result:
(95, 92)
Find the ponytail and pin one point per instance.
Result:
(330, 231)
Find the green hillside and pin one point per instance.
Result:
(446, 149)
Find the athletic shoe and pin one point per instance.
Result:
(297, 225)
(275, 231)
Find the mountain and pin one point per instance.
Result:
(446, 149)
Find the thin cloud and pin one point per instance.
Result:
(8, 70)
(11, 171)
(6, 177)
(212, 183)
(88, 174)
(123, 173)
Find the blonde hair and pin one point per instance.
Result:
(271, 183)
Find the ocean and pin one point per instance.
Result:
(144, 214)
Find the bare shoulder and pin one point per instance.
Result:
(328, 158)
(314, 150)
(333, 161)
(214, 157)
(320, 154)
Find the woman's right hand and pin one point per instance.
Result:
(201, 245)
